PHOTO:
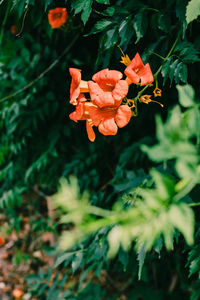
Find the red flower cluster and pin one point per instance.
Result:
(57, 17)
(107, 90)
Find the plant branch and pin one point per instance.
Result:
(43, 73)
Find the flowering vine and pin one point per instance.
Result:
(107, 106)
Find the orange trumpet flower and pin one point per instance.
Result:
(57, 17)
(137, 72)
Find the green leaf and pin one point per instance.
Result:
(83, 5)
(165, 69)
(47, 3)
(103, 1)
(125, 32)
(141, 258)
(164, 22)
(77, 261)
(164, 184)
(63, 258)
(108, 39)
(140, 25)
(100, 26)
(183, 73)
(182, 217)
(192, 10)
(186, 95)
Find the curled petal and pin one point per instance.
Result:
(137, 72)
(78, 113)
(120, 91)
(107, 77)
(108, 127)
(123, 116)
(146, 75)
(90, 131)
(74, 88)
(132, 76)
(98, 96)
(132, 70)
(136, 62)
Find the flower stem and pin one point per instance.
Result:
(168, 55)
(194, 204)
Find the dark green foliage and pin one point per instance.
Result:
(120, 228)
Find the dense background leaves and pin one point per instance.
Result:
(39, 144)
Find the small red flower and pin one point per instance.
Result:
(108, 88)
(13, 29)
(2, 242)
(57, 17)
(77, 85)
(137, 72)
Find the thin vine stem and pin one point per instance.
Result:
(194, 204)
(160, 68)
(43, 73)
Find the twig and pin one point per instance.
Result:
(23, 21)
(43, 73)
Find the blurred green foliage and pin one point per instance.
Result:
(125, 200)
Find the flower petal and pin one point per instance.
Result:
(146, 75)
(74, 88)
(120, 91)
(107, 77)
(108, 127)
(136, 62)
(95, 115)
(90, 132)
(132, 70)
(98, 114)
(123, 116)
(78, 113)
(98, 96)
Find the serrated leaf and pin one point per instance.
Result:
(77, 261)
(183, 74)
(192, 10)
(141, 254)
(182, 217)
(186, 95)
(172, 70)
(165, 69)
(100, 26)
(85, 6)
(63, 258)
